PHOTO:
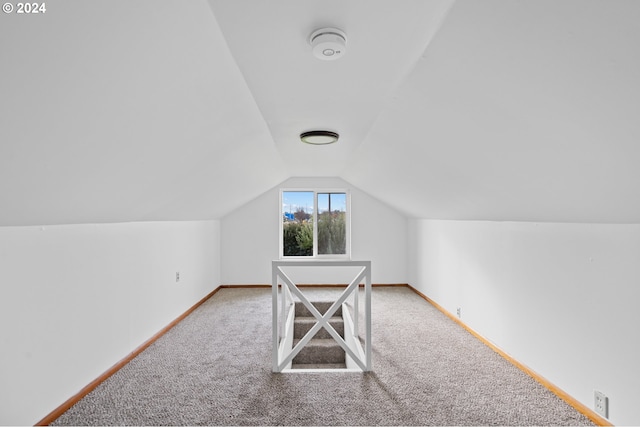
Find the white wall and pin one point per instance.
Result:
(76, 299)
(250, 242)
(560, 298)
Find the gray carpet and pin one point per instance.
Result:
(214, 368)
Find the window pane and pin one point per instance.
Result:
(332, 223)
(297, 225)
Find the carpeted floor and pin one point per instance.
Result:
(214, 368)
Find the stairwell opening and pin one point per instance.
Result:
(329, 332)
(322, 352)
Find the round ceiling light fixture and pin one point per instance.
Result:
(319, 137)
(328, 44)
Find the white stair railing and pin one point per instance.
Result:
(283, 349)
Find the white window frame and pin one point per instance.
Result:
(315, 255)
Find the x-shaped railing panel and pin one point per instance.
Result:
(322, 320)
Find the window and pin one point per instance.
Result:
(314, 223)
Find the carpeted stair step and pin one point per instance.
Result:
(320, 366)
(301, 326)
(319, 351)
(322, 306)
(322, 352)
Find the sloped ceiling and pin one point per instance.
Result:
(126, 111)
(297, 92)
(172, 110)
(517, 110)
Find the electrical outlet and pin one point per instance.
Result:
(601, 403)
(177, 276)
(458, 312)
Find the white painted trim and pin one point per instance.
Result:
(321, 371)
(351, 338)
(286, 344)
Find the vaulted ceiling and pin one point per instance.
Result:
(115, 110)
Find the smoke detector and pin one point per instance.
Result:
(328, 44)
